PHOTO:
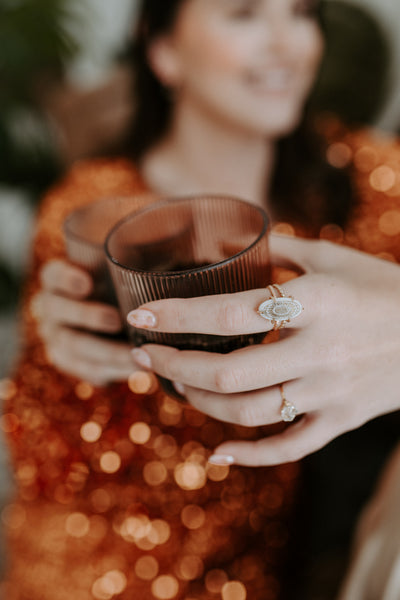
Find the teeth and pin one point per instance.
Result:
(278, 77)
(274, 79)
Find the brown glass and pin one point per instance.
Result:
(85, 231)
(187, 247)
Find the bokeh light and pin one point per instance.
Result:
(193, 516)
(215, 580)
(146, 568)
(190, 476)
(110, 462)
(389, 223)
(165, 587)
(382, 178)
(234, 590)
(155, 473)
(77, 525)
(91, 431)
(139, 433)
(84, 390)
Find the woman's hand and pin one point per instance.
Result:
(68, 324)
(339, 360)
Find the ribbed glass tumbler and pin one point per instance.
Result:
(187, 247)
(85, 231)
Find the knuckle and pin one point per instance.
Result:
(228, 380)
(289, 454)
(246, 415)
(176, 311)
(232, 317)
(332, 355)
(172, 368)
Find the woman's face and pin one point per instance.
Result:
(249, 63)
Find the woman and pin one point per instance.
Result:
(116, 495)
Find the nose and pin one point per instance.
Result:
(278, 34)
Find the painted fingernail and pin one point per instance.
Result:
(221, 459)
(142, 318)
(141, 358)
(179, 387)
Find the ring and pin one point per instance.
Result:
(288, 410)
(279, 309)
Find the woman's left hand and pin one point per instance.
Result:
(339, 360)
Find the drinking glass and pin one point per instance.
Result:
(85, 231)
(187, 247)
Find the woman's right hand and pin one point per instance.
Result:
(69, 325)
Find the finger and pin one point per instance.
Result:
(98, 374)
(223, 314)
(298, 440)
(250, 368)
(94, 360)
(75, 313)
(261, 407)
(250, 409)
(65, 278)
(82, 345)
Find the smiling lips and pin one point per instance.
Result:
(273, 80)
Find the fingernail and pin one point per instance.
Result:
(221, 459)
(141, 358)
(179, 387)
(142, 318)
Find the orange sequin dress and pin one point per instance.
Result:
(115, 497)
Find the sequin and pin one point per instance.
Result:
(77, 525)
(215, 580)
(91, 431)
(383, 178)
(147, 567)
(389, 222)
(339, 155)
(139, 433)
(234, 590)
(165, 587)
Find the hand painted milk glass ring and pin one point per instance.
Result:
(280, 308)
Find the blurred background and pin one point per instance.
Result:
(65, 94)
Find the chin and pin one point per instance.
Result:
(282, 125)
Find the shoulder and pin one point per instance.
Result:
(89, 180)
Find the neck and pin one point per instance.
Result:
(200, 155)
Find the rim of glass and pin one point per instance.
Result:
(105, 200)
(176, 200)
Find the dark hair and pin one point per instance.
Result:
(305, 188)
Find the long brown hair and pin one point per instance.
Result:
(305, 188)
